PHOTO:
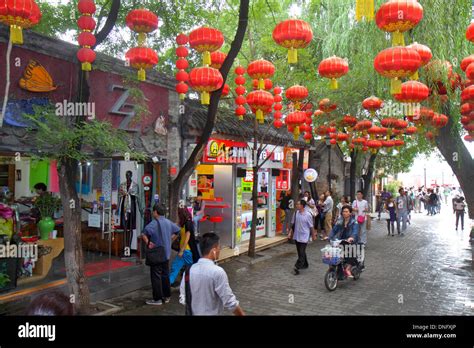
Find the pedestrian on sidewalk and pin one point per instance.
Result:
(198, 210)
(402, 211)
(188, 251)
(433, 202)
(418, 199)
(459, 207)
(344, 201)
(327, 210)
(301, 231)
(390, 208)
(160, 233)
(320, 218)
(384, 197)
(285, 205)
(360, 209)
(209, 291)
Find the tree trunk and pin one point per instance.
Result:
(73, 255)
(294, 180)
(255, 160)
(370, 175)
(352, 177)
(459, 159)
(178, 183)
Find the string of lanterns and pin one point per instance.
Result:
(86, 39)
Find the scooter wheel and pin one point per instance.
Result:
(330, 280)
(356, 273)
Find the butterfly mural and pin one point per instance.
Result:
(36, 78)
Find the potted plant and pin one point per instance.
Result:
(47, 205)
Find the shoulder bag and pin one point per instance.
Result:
(360, 218)
(156, 255)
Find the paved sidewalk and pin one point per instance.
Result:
(429, 271)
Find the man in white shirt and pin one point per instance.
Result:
(360, 208)
(327, 210)
(210, 290)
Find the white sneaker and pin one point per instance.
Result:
(167, 299)
(154, 303)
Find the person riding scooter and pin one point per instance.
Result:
(346, 229)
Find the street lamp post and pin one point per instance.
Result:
(328, 144)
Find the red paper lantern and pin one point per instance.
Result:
(308, 136)
(142, 58)
(296, 119)
(359, 141)
(372, 104)
(86, 56)
(469, 127)
(396, 63)
(467, 95)
(318, 113)
(333, 141)
(326, 105)
(86, 7)
(206, 40)
(240, 91)
(412, 92)
(470, 32)
(424, 52)
(349, 121)
(363, 125)
(374, 144)
(86, 23)
(398, 16)
(277, 123)
(469, 138)
(400, 124)
(293, 34)
(467, 108)
(470, 72)
(182, 88)
(19, 15)
(333, 68)
(398, 142)
(142, 21)
(261, 69)
(240, 111)
(411, 130)
(466, 61)
(217, 59)
(205, 80)
(260, 103)
(296, 94)
(182, 39)
(389, 122)
(342, 137)
(439, 121)
(225, 90)
(387, 143)
(86, 39)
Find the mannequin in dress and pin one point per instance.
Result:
(129, 203)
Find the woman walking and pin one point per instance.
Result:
(320, 218)
(390, 208)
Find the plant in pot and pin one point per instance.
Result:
(47, 205)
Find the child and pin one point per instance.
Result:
(459, 207)
(390, 207)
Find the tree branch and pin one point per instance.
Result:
(109, 24)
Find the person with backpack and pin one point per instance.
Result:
(205, 286)
(187, 249)
(458, 207)
(158, 236)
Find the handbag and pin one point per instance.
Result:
(384, 216)
(156, 255)
(360, 218)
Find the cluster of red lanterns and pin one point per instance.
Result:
(240, 100)
(293, 34)
(206, 79)
(260, 101)
(19, 15)
(182, 64)
(467, 95)
(277, 107)
(142, 58)
(308, 126)
(86, 39)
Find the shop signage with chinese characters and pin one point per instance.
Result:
(283, 180)
(246, 222)
(226, 152)
(247, 182)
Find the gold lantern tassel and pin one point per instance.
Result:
(241, 118)
(182, 96)
(410, 109)
(296, 133)
(333, 85)
(206, 58)
(141, 74)
(359, 9)
(205, 98)
(389, 133)
(141, 39)
(369, 10)
(292, 56)
(86, 66)
(395, 86)
(261, 84)
(259, 115)
(16, 35)
(398, 38)
(415, 76)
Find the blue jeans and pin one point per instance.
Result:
(402, 217)
(363, 232)
(178, 263)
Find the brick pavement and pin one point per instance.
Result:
(429, 271)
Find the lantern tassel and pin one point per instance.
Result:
(415, 76)
(182, 96)
(398, 38)
(333, 85)
(86, 66)
(369, 10)
(359, 9)
(16, 35)
(259, 115)
(261, 84)
(241, 118)
(141, 74)
(292, 56)
(206, 58)
(205, 98)
(141, 39)
(395, 86)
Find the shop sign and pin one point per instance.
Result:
(146, 179)
(283, 180)
(94, 220)
(193, 184)
(246, 224)
(310, 175)
(247, 182)
(226, 152)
